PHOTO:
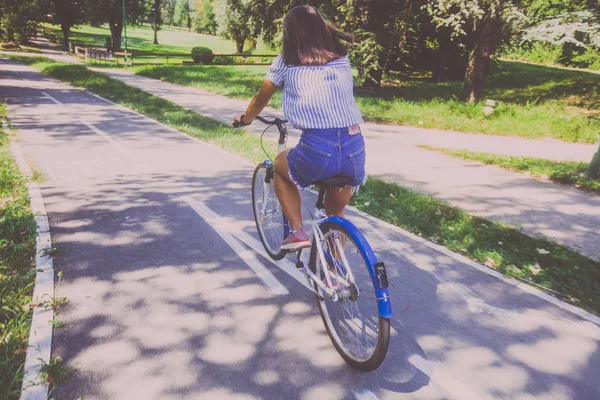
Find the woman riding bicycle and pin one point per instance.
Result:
(318, 99)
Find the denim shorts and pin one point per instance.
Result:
(323, 153)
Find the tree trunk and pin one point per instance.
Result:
(239, 44)
(479, 64)
(440, 70)
(116, 29)
(65, 30)
(373, 79)
(155, 23)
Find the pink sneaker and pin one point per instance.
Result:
(295, 241)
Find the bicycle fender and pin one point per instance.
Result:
(376, 269)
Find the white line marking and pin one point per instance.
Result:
(94, 129)
(216, 222)
(456, 388)
(40, 335)
(51, 98)
(110, 140)
(450, 384)
(284, 264)
(182, 134)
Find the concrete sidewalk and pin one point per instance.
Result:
(540, 208)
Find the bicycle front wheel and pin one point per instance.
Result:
(268, 214)
(352, 318)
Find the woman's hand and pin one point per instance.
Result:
(239, 118)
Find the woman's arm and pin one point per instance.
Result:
(258, 102)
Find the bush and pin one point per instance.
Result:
(590, 59)
(203, 55)
(220, 60)
(536, 52)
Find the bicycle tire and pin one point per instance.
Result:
(273, 249)
(383, 335)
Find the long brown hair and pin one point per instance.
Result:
(308, 39)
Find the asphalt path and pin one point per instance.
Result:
(171, 295)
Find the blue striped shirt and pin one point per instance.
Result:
(316, 97)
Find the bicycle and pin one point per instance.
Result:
(337, 244)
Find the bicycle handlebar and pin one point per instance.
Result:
(273, 121)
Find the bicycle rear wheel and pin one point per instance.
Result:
(268, 214)
(353, 321)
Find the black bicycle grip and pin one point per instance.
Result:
(237, 124)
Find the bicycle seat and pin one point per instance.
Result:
(335, 181)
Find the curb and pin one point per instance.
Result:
(39, 347)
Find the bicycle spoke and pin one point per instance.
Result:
(268, 213)
(354, 317)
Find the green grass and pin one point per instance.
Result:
(141, 38)
(537, 261)
(17, 272)
(550, 54)
(503, 248)
(535, 101)
(565, 172)
(20, 49)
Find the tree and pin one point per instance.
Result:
(19, 19)
(386, 31)
(205, 20)
(111, 11)
(479, 25)
(67, 14)
(383, 30)
(540, 10)
(168, 11)
(182, 14)
(209, 19)
(575, 29)
(156, 18)
(239, 24)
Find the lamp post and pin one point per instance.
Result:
(125, 29)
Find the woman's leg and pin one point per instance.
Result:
(336, 200)
(287, 192)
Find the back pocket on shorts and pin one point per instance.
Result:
(310, 162)
(358, 159)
